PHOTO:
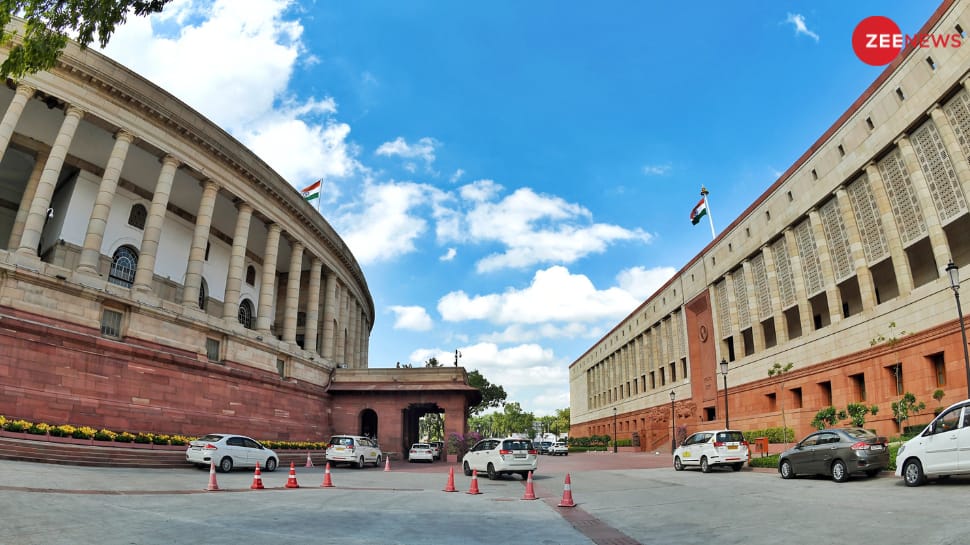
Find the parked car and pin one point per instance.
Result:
(227, 451)
(497, 457)
(421, 451)
(836, 452)
(542, 447)
(559, 448)
(707, 449)
(438, 447)
(354, 450)
(940, 450)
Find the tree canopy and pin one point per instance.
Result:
(48, 26)
(493, 395)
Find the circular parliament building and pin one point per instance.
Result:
(157, 275)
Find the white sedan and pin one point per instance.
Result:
(421, 451)
(227, 451)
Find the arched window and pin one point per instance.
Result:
(246, 313)
(251, 275)
(137, 216)
(123, 266)
(203, 294)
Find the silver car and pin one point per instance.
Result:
(836, 452)
(228, 450)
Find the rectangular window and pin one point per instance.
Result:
(673, 372)
(825, 389)
(281, 368)
(111, 323)
(858, 383)
(653, 380)
(683, 368)
(896, 375)
(212, 350)
(796, 394)
(663, 377)
(939, 368)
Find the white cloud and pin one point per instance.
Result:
(798, 21)
(641, 282)
(384, 224)
(519, 333)
(456, 176)
(555, 295)
(233, 61)
(449, 255)
(423, 149)
(533, 228)
(656, 170)
(412, 318)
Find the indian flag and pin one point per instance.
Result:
(698, 212)
(312, 191)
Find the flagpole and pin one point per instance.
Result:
(707, 205)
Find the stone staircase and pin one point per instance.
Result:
(45, 452)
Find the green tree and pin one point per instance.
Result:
(560, 423)
(493, 395)
(857, 413)
(433, 362)
(827, 417)
(513, 420)
(905, 407)
(48, 24)
(779, 370)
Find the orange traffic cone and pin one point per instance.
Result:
(257, 479)
(450, 487)
(309, 462)
(473, 489)
(567, 494)
(213, 485)
(291, 481)
(387, 463)
(327, 483)
(530, 493)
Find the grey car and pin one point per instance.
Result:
(838, 453)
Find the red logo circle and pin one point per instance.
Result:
(877, 40)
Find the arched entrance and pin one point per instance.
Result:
(368, 423)
(412, 432)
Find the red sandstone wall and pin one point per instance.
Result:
(55, 374)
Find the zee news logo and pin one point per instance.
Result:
(877, 40)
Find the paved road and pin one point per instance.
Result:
(622, 499)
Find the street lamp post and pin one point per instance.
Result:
(614, 430)
(954, 272)
(727, 415)
(673, 424)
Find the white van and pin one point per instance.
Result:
(935, 452)
(354, 450)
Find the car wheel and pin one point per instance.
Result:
(786, 470)
(705, 467)
(360, 463)
(271, 465)
(872, 472)
(225, 465)
(840, 473)
(492, 475)
(678, 465)
(468, 470)
(379, 460)
(913, 473)
(737, 467)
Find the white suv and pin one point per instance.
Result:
(354, 450)
(707, 449)
(559, 448)
(498, 457)
(939, 450)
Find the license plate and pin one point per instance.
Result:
(875, 447)
(732, 447)
(520, 455)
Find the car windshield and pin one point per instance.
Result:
(342, 441)
(516, 444)
(729, 437)
(211, 438)
(420, 446)
(860, 433)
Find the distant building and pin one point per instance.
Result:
(845, 252)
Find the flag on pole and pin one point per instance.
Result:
(699, 211)
(312, 191)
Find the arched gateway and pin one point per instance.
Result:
(388, 403)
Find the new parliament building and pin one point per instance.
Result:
(839, 268)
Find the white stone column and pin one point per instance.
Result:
(153, 225)
(267, 288)
(237, 263)
(30, 190)
(833, 296)
(758, 336)
(200, 240)
(904, 275)
(781, 323)
(10, 118)
(329, 308)
(867, 290)
(98, 222)
(293, 293)
(804, 308)
(34, 226)
(313, 307)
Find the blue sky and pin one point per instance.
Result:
(515, 177)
